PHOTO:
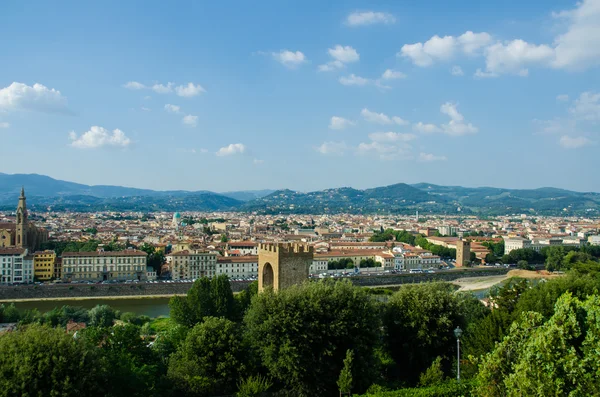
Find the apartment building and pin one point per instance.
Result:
(240, 266)
(103, 265)
(537, 244)
(15, 266)
(189, 265)
(43, 264)
(243, 247)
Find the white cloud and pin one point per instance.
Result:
(399, 121)
(449, 109)
(344, 54)
(189, 90)
(258, 161)
(145, 109)
(576, 47)
(353, 80)
(457, 71)
(331, 66)
(369, 18)
(438, 48)
(587, 107)
(515, 56)
(471, 43)
(162, 89)
(390, 74)
(335, 148)
(562, 98)
(427, 157)
(385, 150)
(190, 120)
(391, 137)
(203, 150)
(231, 149)
(288, 58)
(4, 124)
(134, 85)
(19, 96)
(579, 46)
(480, 74)
(455, 127)
(426, 128)
(341, 56)
(571, 142)
(172, 108)
(340, 123)
(381, 118)
(98, 137)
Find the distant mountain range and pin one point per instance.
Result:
(44, 192)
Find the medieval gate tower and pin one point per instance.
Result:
(282, 265)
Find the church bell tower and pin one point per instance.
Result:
(21, 237)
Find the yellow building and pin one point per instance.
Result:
(43, 265)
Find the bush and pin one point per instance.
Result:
(253, 386)
(447, 389)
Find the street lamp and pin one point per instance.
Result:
(458, 333)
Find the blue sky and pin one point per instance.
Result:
(306, 95)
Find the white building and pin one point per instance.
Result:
(594, 240)
(15, 266)
(244, 247)
(101, 265)
(237, 266)
(318, 266)
(187, 265)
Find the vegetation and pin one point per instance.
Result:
(320, 338)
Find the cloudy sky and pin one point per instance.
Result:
(231, 95)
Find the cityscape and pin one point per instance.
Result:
(299, 199)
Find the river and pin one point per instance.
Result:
(152, 307)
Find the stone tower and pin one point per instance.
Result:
(22, 227)
(463, 253)
(282, 265)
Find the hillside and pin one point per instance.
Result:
(44, 192)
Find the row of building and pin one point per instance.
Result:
(18, 266)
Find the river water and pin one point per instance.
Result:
(152, 307)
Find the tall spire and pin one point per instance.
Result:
(22, 191)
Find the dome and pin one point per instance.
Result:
(177, 215)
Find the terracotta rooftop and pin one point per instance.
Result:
(106, 253)
(11, 251)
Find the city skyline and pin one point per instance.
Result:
(169, 97)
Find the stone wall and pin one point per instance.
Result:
(425, 277)
(99, 290)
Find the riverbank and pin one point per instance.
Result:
(487, 282)
(85, 298)
(31, 293)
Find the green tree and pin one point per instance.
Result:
(130, 368)
(419, 321)
(302, 334)
(168, 340)
(206, 298)
(344, 381)
(210, 360)
(102, 316)
(558, 357)
(42, 361)
(433, 375)
(554, 258)
(523, 265)
(224, 238)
